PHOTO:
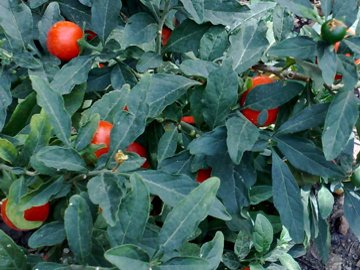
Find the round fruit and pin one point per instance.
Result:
(36, 214)
(188, 119)
(165, 35)
(62, 40)
(355, 177)
(141, 151)
(333, 31)
(253, 115)
(102, 136)
(5, 218)
(203, 174)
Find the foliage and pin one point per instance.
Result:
(270, 193)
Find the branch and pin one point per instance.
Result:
(280, 72)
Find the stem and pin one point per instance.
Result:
(287, 74)
(10, 169)
(161, 25)
(94, 173)
(190, 129)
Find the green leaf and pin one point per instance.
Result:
(51, 16)
(220, 95)
(59, 158)
(17, 23)
(272, 95)
(323, 240)
(107, 191)
(345, 11)
(241, 136)
(195, 8)
(352, 210)
(186, 37)
(287, 198)
(213, 43)
(148, 61)
(140, 28)
(168, 143)
(231, 261)
(132, 215)
(305, 119)
(300, 47)
(283, 23)
(12, 257)
(326, 202)
(8, 151)
(42, 193)
(263, 234)
(215, 138)
(72, 73)
(242, 244)
(327, 62)
(128, 257)
(75, 12)
(188, 263)
(173, 188)
(305, 156)
(79, 227)
(339, 123)
(5, 97)
(53, 104)
(302, 8)
(198, 68)
(289, 262)
(21, 115)
(326, 7)
(248, 45)
(86, 132)
(74, 100)
(39, 136)
(212, 251)
(50, 234)
(109, 104)
(104, 17)
(185, 217)
(259, 194)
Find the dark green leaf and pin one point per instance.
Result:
(259, 194)
(198, 68)
(215, 138)
(140, 28)
(79, 227)
(128, 257)
(302, 8)
(248, 45)
(17, 23)
(300, 47)
(72, 73)
(50, 234)
(188, 263)
(185, 217)
(213, 43)
(132, 215)
(12, 257)
(86, 132)
(195, 8)
(305, 119)
(346, 11)
(148, 60)
(323, 241)
(287, 198)
(173, 188)
(339, 123)
(283, 23)
(241, 136)
(104, 17)
(272, 95)
(107, 191)
(305, 156)
(53, 104)
(5, 97)
(220, 95)
(75, 12)
(326, 7)
(59, 158)
(168, 143)
(242, 244)
(212, 251)
(326, 202)
(327, 62)
(352, 210)
(186, 37)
